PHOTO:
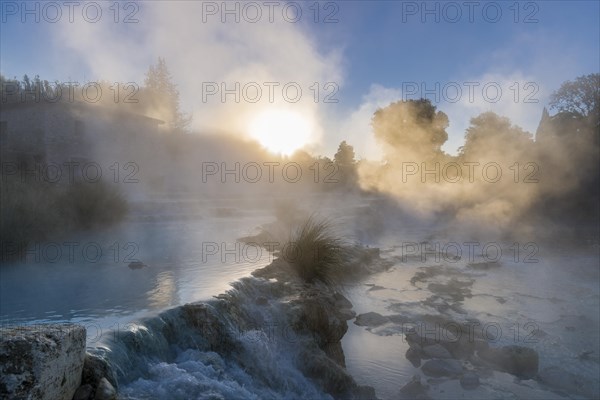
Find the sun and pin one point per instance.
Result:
(281, 131)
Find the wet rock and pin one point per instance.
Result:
(105, 391)
(401, 320)
(370, 319)
(413, 355)
(517, 360)
(136, 265)
(41, 362)
(469, 381)
(94, 369)
(84, 392)
(341, 301)
(346, 314)
(414, 389)
(585, 355)
(336, 353)
(365, 393)
(438, 368)
(316, 315)
(454, 289)
(328, 375)
(460, 341)
(436, 351)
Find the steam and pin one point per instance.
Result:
(501, 175)
(492, 188)
(200, 54)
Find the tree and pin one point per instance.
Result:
(26, 90)
(344, 155)
(580, 98)
(345, 164)
(411, 127)
(163, 97)
(491, 134)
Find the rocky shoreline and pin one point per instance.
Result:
(274, 302)
(275, 311)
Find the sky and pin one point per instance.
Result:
(348, 58)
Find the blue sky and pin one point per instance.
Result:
(372, 53)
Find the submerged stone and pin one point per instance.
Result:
(438, 368)
(517, 360)
(370, 319)
(413, 389)
(469, 381)
(436, 351)
(558, 378)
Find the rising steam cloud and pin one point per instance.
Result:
(495, 183)
(200, 51)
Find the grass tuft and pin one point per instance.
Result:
(315, 252)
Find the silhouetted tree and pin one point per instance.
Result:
(490, 133)
(412, 127)
(581, 96)
(580, 99)
(13, 90)
(162, 96)
(345, 163)
(344, 155)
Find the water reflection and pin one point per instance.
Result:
(164, 292)
(76, 288)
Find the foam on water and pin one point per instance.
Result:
(224, 349)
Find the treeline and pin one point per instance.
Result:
(501, 175)
(157, 97)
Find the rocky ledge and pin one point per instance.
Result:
(41, 362)
(50, 361)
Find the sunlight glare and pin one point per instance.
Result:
(281, 131)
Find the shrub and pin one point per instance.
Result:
(35, 210)
(314, 252)
(87, 205)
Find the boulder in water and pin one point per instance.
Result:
(469, 381)
(517, 360)
(436, 351)
(136, 265)
(84, 392)
(370, 319)
(413, 354)
(94, 369)
(105, 391)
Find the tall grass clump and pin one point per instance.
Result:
(314, 252)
